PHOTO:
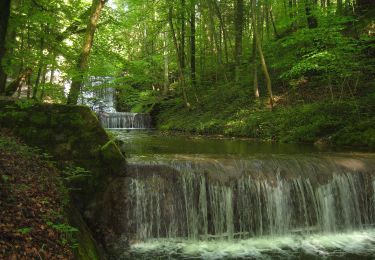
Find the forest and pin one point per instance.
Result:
(177, 129)
(211, 67)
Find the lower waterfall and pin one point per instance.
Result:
(290, 201)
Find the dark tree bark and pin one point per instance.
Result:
(4, 20)
(183, 34)
(77, 81)
(274, 24)
(339, 7)
(238, 28)
(365, 4)
(12, 88)
(192, 44)
(312, 21)
(255, 69)
(40, 69)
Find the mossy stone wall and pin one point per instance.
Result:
(69, 134)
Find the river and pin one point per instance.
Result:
(194, 197)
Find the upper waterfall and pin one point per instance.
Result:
(125, 120)
(101, 99)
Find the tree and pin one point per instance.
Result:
(77, 81)
(365, 4)
(4, 20)
(192, 43)
(238, 30)
(179, 53)
(261, 55)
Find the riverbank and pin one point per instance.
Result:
(344, 123)
(33, 221)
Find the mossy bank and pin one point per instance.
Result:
(343, 123)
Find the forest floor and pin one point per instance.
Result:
(32, 220)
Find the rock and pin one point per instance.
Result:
(112, 156)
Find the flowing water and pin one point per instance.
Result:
(125, 120)
(207, 198)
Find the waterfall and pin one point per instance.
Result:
(205, 198)
(124, 120)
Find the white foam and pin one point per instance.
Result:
(359, 243)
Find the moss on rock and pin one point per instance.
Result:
(112, 156)
(87, 247)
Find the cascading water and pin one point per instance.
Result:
(124, 120)
(101, 99)
(267, 197)
(187, 197)
(211, 200)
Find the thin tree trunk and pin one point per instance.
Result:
(266, 10)
(178, 53)
(183, 34)
(238, 28)
(17, 84)
(312, 21)
(4, 20)
(273, 24)
(166, 65)
(255, 69)
(77, 81)
(28, 81)
(339, 7)
(192, 44)
(223, 29)
(261, 56)
(42, 93)
(37, 81)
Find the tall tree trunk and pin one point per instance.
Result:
(96, 8)
(261, 56)
(273, 24)
(28, 81)
(365, 4)
(312, 21)
(4, 20)
(339, 7)
(178, 53)
(192, 44)
(255, 69)
(238, 29)
(183, 34)
(223, 29)
(43, 83)
(166, 64)
(41, 61)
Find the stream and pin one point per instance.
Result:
(194, 197)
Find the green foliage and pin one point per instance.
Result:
(323, 55)
(10, 145)
(304, 123)
(73, 174)
(25, 104)
(67, 232)
(4, 178)
(25, 230)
